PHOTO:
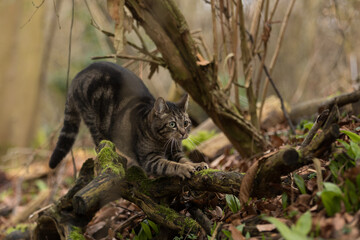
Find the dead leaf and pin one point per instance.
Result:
(276, 141)
(352, 173)
(153, 68)
(201, 61)
(339, 222)
(247, 182)
(265, 227)
(319, 177)
(94, 228)
(235, 233)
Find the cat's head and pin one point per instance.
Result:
(170, 120)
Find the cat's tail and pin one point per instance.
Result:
(67, 135)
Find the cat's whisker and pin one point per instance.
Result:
(178, 145)
(192, 142)
(172, 143)
(167, 144)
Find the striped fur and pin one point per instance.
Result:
(115, 105)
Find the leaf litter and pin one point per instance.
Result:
(301, 212)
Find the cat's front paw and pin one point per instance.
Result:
(185, 171)
(200, 166)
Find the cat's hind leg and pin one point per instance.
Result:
(93, 123)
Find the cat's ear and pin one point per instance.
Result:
(160, 106)
(184, 102)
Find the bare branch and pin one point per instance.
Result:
(124, 56)
(276, 53)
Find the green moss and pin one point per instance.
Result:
(207, 171)
(172, 216)
(106, 158)
(76, 234)
(22, 227)
(137, 175)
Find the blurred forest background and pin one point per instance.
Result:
(319, 57)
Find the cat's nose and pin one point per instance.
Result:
(182, 132)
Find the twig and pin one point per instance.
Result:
(215, 43)
(234, 72)
(57, 14)
(276, 53)
(124, 56)
(273, 10)
(265, 38)
(206, 48)
(128, 221)
(140, 38)
(145, 52)
(256, 21)
(70, 38)
(222, 25)
(108, 34)
(18, 195)
(32, 15)
(217, 230)
(319, 176)
(73, 163)
(286, 115)
(58, 179)
(318, 123)
(247, 67)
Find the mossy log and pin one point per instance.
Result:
(110, 168)
(290, 159)
(153, 196)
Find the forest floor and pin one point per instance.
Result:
(319, 201)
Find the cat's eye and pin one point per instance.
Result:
(172, 124)
(186, 123)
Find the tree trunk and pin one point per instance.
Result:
(20, 69)
(166, 26)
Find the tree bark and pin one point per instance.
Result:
(166, 26)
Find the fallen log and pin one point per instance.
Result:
(306, 110)
(73, 211)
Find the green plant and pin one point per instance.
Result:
(193, 140)
(305, 124)
(300, 183)
(298, 231)
(233, 203)
(331, 198)
(352, 148)
(145, 232)
(227, 234)
(284, 200)
(41, 185)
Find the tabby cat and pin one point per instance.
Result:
(116, 105)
